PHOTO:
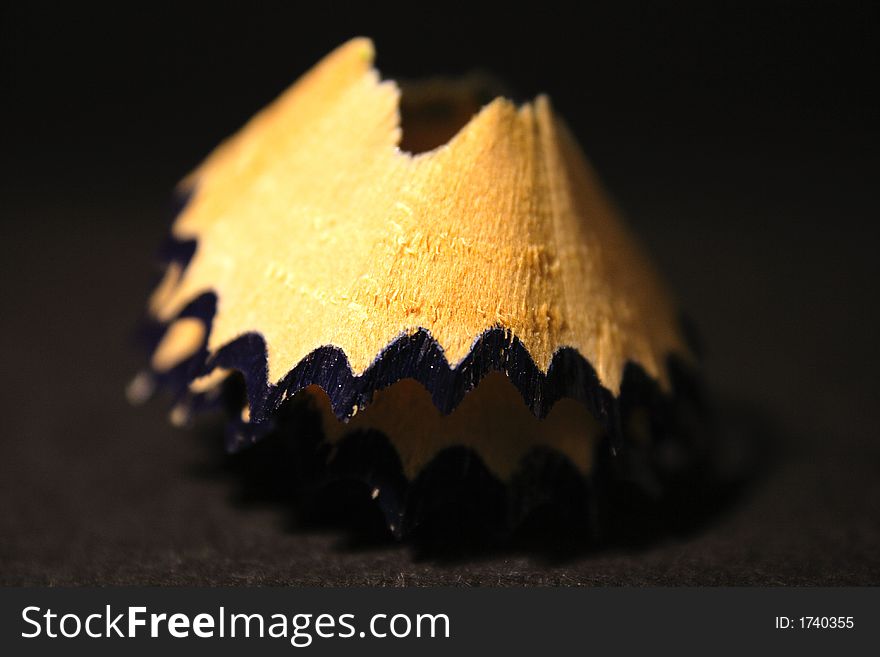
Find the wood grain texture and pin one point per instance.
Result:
(491, 420)
(314, 228)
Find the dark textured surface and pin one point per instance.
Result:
(755, 199)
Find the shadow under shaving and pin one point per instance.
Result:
(456, 510)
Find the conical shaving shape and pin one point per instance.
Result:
(314, 229)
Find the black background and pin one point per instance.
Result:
(740, 139)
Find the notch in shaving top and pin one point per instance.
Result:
(460, 285)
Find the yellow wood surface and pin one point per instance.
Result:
(491, 420)
(314, 228)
